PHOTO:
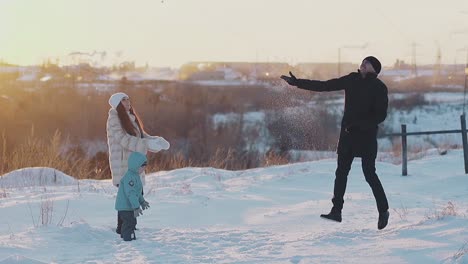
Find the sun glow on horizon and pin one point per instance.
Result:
(171, 33)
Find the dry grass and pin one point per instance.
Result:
(461, 252)
(397, 149)
(37, 152)
(180, 112)
(439, 214)
(158, 162)
(402, 213)
(272, 159)
(416, 151)
(46, 212)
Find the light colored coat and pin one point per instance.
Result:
(121, 145)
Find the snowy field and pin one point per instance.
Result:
(441, 111)
(265, 215)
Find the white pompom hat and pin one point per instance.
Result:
(115, 99)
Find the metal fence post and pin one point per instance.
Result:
(404, 151)
(465, 141)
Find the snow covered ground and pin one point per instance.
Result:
(264, 215)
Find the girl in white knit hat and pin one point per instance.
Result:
(125, 134)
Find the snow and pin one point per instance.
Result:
(20, 260)
(257, 135)
(432, 97)
(395, 72)
(46, 78)
(441, 111)
(405, 74)
(142, 75)
(38, 176)
(99, 87)
(444, 97)
(448, 86)
(263, 215)
(309, 155)
(27, 77)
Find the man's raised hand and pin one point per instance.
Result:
(291, 80)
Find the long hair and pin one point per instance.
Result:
(127, 123)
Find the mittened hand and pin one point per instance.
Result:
(291, 79)
(137, 212)
(157, 144)
(164, 143)
(145, 205)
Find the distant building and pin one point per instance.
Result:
(142, 74)
(207, 76)
(232, 71)
(24, 73)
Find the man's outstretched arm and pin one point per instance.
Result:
(317, 86)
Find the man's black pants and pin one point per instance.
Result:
(368, 167)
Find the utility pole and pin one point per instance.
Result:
(464, 89)
(455, 60)
(452, 34)
(438, 66)
(339, 61)
(413, 59)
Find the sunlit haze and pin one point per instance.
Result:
(172, 32)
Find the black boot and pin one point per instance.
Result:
(334, 215)
(383, 220)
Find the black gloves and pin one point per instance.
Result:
(291, 80)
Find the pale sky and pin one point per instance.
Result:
(172, 32)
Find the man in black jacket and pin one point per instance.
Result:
(366, 103)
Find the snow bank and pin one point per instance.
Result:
(20, 260)
(37, 176)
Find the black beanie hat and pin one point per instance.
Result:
(375, 63)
